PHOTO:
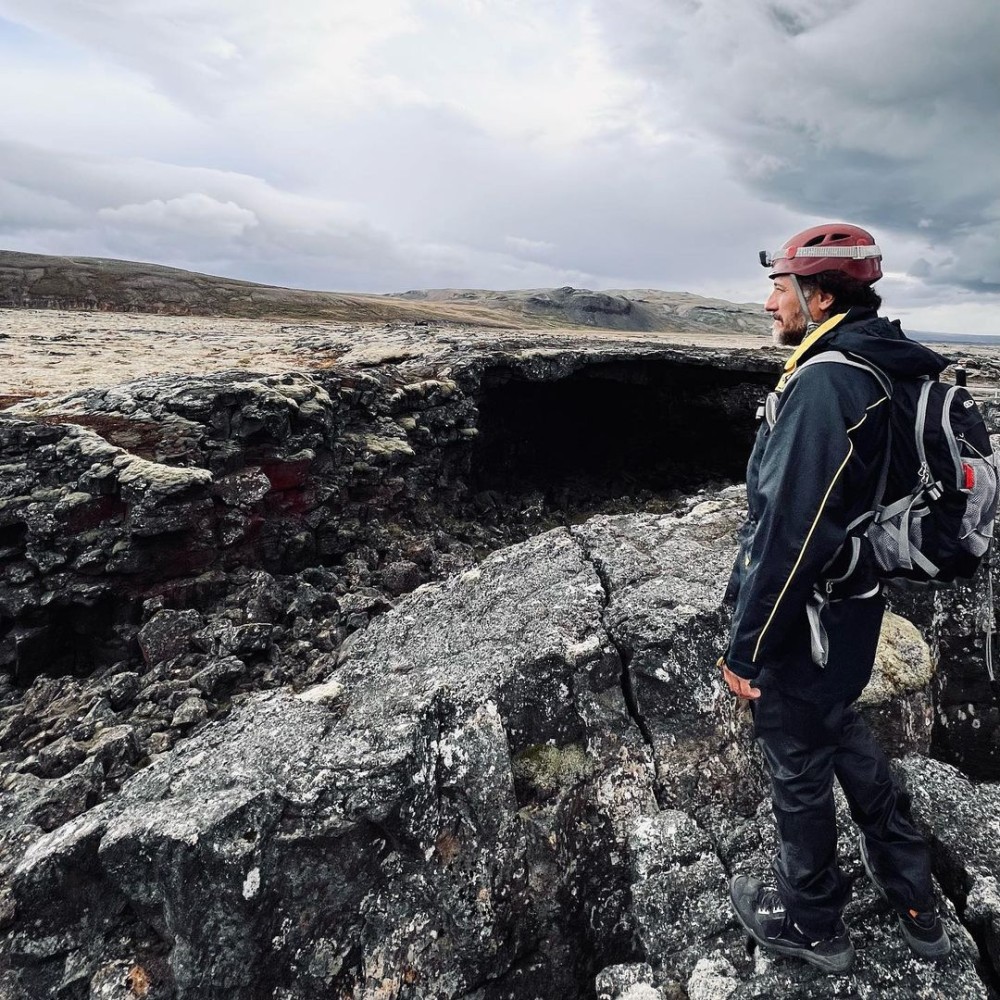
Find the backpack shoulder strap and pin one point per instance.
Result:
(839, 358)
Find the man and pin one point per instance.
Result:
(808, 606)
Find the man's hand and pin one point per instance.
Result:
(740, 686)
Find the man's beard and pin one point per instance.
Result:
(785, 336)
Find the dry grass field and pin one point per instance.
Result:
(45, 351)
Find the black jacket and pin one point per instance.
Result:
(809, 477)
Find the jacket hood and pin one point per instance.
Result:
(884, 344)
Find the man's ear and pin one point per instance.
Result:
(824, 300)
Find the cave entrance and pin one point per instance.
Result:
(653, 431)
(74, 637)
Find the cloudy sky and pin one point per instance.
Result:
(381, 145)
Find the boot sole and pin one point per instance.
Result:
(835, 964)
(925, 949)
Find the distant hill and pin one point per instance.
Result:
(645, 309)
(39, 281)
(979, 339)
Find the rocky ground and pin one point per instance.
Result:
(525, 781)
(361, 680)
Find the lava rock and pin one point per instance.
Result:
(416, 756)
(713, 978)
(401, 577)
(244, 488)
(218, 674)
(616, 981)
(62, 799)
(242, 641)
(168, 634)
(960, 818)
(680, 893)
(468, 799)
(123, 689)
(189, 712)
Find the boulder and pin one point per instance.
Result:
(436, 870)
(507, 783)
(168, 634)
(962, 821)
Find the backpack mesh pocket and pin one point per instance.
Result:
(887, 540)
(981, 506)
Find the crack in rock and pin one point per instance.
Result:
(624, 653)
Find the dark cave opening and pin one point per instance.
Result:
(69, 642)
(649, 430)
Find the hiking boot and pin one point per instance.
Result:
(923, 932)
(762, 913)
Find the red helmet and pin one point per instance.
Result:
(833, 246)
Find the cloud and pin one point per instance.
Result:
(886, 112)
(235, 224)
(529, 248)
(391, 144)
(186, 216)
(214, 53)
(196, 215)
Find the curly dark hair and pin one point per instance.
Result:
(847, 292)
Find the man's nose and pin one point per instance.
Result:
(771, 304)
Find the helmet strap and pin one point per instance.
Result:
(811, 324)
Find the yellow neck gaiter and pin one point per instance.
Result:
(825, 327)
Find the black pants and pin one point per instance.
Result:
(805, 747)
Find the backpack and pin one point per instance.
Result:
(932, 521)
